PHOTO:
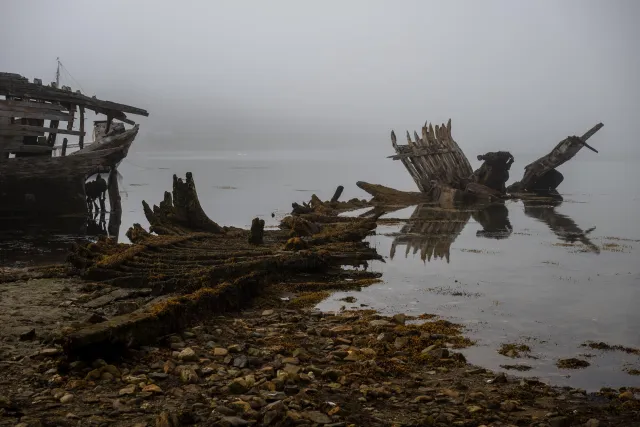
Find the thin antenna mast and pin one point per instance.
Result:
(58, 73)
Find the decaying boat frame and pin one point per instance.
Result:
(443, 173)
(37, 182)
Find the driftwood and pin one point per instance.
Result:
(205, 272)
(541, 174)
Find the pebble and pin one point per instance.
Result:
(220, 352)
(188, 375)
(234, 422)
(316, 417)
(267, 312)
(188, 355)
(128, 390)
(67, 398)
(592, 423)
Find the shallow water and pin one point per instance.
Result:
(529, 286)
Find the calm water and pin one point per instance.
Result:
(528, 286)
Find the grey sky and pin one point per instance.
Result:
(516, 75)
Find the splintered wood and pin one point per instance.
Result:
(206, 268)
(434, 157)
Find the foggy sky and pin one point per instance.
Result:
(513, 75)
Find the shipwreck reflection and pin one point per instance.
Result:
(46, 239)
(561, 225)
(431, 230)
(494, 220)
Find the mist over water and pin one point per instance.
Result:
(267, 103)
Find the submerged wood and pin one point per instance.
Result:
(205, 272)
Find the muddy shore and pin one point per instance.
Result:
(276, 363)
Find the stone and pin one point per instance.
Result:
(240, 406)
(188, 355)
(400, 342)
(386, 337)
(233, 422)
(422, 399)
(291, 360)
(379, 323)
(400, 319)
(152, 388)
(474, 409)
(592, 423)
(316, 417)
(341, 330)
(220, 352)
(67, 398)
(158, 376)
(113, 370)
(238, 386)
(559, 422)
(509, 405)
(224, 410)
(267, 312)
(166, 419)
(128, 390)
(241, 361)
(332, 374)
(188, 375)
(28, 336)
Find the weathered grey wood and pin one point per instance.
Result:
(407, 164)
(81, 140)
(27, 148)
(13, 105)
(56, 184)
(561, 153)
(51, 141)
(47, 115)
(22, 88)
(420, 152)
(64, 147)
(25, 130)
(72, 112)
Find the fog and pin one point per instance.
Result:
(515, 75)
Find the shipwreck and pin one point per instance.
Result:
(443, 174)
(39, 175)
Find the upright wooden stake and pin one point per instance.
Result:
(81, 140)
(64, 147)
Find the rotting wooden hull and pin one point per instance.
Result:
(55, 185)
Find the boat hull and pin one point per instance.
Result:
(49, 186)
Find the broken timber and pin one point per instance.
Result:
(196, 268)
(541, 174)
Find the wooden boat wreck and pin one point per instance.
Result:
(33, 180)
(443, 173)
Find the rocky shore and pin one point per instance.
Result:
(281, 366)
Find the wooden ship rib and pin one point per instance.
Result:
(32, 178)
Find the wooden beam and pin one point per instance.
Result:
(25, 148)
(72, 112)
(49, 115)
(26, 105)
(25, 130)
(64, 147)
(51, 141)
(11, 85)
(81, 140)
(419, 153)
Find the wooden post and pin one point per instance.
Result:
(109, 119)
(81, 138)
(51, 141)
(64, 147)
(337, 194)
(115, 205)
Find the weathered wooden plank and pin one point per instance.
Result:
(407, 164)
(25, 130)
(12, 105)
(25, 148)
(20, 87)
(72, 111)
(52, 136)
(420, 152)
(50, 115)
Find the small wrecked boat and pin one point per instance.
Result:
(37, 173)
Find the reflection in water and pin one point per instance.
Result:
(561, 225)
(431, 230)
(494, 220)
(41, 240)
